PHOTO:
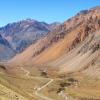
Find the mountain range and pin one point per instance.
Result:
(57, 61)
(22, 34)
(78, 36)
(33, 42)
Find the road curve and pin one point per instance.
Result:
(39, 89)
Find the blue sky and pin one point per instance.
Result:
(42, 10)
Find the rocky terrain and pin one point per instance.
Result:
(5, 47)
(63, 38)
(62, 64)
(22, 34)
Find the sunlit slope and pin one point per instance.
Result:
(8, 94)
(57, 49)
(84, 58)
(62, 40)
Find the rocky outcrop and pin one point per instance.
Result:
(6, 51)
(84, 23)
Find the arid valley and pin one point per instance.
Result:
(58, 61)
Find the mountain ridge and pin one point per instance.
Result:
(75, 30)
(20, 31)
(23, 33)
(62, 64)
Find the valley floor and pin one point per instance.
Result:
(27, 87)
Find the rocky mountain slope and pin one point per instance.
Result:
(23, 33)
(20, 35)
(63, 64)
(6, 51)
(62, 40)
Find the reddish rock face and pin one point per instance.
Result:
(87, 22)
(66, 36)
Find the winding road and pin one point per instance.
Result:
(39, 89)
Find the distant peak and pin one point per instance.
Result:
(55, 23)
(30, 20)
(84, 12)
(94, 8)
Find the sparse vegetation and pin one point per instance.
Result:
(72, 80)
(3, 67)
(96, 47)
(66, 83)
(60, 89)
(44, 74)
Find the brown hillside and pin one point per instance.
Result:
(64, 39)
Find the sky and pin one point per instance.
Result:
(42, 10)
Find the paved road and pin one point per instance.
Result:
(39, 89)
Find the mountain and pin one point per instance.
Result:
(62, 64)
(62, 39)
(23, 33)
(6, 51)
(76, 48)
(54, 25)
